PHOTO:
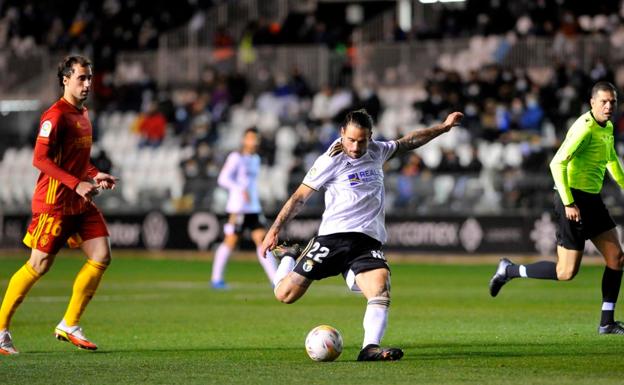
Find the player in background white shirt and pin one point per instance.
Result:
(352, 231)
(239, 176)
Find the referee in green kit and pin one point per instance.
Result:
(578, 169)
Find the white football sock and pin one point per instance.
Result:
(269, 264)
(522, 271)
(285, 267)
(220, 260)
(375, 320)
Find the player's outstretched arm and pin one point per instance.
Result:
(291, 208)
(420, 137)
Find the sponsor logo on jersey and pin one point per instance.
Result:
(308, 265)
(83, 142)
(46, 128)
(362, 177)
(312, 172)
(354, 179)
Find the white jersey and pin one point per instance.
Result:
(239, 175)
(355, 195)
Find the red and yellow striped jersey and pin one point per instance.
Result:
(62, 154)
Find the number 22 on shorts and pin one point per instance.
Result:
(317, 253)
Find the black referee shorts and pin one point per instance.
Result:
(595, 220)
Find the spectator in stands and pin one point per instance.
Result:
(238, 87)
(222, 38)
(367, 98)
(219, 100)
(321, 104)
(299, 84)
(600, 71)
(407, 193)
(532, 116)
(200, 172)
(152, 126)
(474, 166)
(489, 122)
(398, 34)
(449, 162)
(202, 130)
(267, 147)
(100, 159)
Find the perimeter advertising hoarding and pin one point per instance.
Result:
(203, 230)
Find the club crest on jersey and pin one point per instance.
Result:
(46, 128)
(358, 178)
(43, 240)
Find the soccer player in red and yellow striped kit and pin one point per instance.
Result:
(63, 211)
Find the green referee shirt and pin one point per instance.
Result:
(584, 155)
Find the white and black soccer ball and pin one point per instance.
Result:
(323, 343)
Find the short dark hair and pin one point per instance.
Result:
(65, 67)
(359, 118)
(251, 129)
(603, 86)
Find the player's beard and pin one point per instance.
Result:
(356, 155)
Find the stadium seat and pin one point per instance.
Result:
(431, 155)
(512, 155)
(491, 155)
(442, 188)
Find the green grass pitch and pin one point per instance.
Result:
(157, 322)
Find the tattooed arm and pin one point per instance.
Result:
(291, 208)
(420, 137)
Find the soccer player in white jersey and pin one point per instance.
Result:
(239, 176)
(352, 230)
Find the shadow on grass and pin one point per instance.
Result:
(428, 351)
(433, 351)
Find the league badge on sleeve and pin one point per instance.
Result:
(46, 128)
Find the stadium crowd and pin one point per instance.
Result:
(497, 162)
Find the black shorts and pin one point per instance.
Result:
(238, 223)
(329, 255)
(595, 220)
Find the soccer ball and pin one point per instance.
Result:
(323, 343)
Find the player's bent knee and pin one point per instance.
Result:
(104, 259)
(287, 299)
(287, 292)
(566, 275)
(286, 296)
